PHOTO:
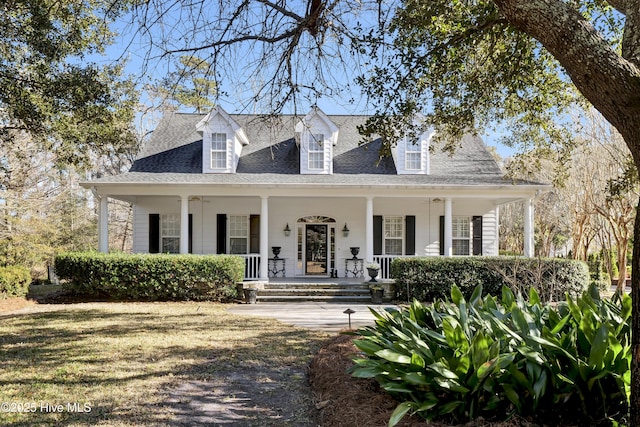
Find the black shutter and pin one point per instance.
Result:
(377, 235)
(221, 226)
(154, 233)
(190, 233)
(410, 235)
(477, 235)
(254, 234)
(441, 234)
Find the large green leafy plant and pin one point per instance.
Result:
(495, 358)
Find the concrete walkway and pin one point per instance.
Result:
(313, 315)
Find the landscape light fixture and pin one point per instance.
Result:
(349, 312)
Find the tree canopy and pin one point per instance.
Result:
(190, 85)
(50, 90)
(62, 113)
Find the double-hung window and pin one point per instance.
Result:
(316, 151)
(219, 151)
(413, 155)
(393, 235)
(239, 234)
(170, 233)
(461, 235)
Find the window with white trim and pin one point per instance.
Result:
(170, 233)
(219, 151)
(461, 235)
(413, 155)
(393, 235)
(239, 234)
(316, 151)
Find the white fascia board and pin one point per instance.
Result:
(237, 129)
(304, 123)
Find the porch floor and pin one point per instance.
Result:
(321, 280)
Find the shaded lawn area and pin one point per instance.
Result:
(119, 360)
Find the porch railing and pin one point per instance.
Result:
(385, 264)
(251, 266)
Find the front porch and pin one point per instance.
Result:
(301, 236)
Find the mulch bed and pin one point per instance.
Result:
(345, 400)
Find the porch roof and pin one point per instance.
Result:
(318, 181)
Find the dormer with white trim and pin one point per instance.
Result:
(411, 153)
(222, 142)
(317, 135)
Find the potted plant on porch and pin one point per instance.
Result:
(377, 292)
(250, 295)
(372, 270)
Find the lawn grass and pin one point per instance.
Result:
(113, 363)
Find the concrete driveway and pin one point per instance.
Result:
(313, 315)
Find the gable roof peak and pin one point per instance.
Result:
(217, 110)
(315, 112)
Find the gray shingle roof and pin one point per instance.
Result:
(174, 155)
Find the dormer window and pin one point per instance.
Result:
(222, 142)
(317, 136)
(413, 155)
(219, 151)
(316, 151)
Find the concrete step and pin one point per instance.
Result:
(320, 298)
(315, 291)
(321, 291)
(322, 286)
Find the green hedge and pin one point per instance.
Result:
(157, 277)
(431, 278)
(14, 281)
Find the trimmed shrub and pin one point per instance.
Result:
(155, 277)
(14, 281)
(567, 364)
(430, 278)
(597, 276)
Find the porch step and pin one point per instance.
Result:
(320, 291)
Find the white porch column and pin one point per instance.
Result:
(184, 224)
(103, 229)
(369, 230)
(528, 228)
(264, 238)
(448, 228)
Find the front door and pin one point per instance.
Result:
(316, 253)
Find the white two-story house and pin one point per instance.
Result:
(238, 184)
